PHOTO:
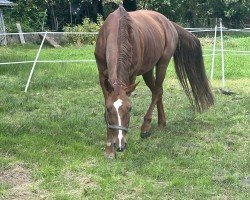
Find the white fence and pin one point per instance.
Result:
(48, 61)
(220, 29)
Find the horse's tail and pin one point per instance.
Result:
(189, 67)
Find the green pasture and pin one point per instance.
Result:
(52, 137)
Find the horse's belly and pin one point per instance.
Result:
(148, 62)
(146, 67)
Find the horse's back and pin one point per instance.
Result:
(154, 25)
(157, 35)
(153, 36)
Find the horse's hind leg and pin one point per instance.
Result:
(161, 68)
(150, 82)
(156, 88)
(160, 108)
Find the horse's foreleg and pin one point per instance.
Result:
(109, 149)
(145, 128)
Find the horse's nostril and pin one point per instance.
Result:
(120, 149)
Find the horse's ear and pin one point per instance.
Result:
(108, 86)
(131, 88)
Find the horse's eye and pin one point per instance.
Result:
(129, 109)
(108, 109)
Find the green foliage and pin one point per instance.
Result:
(109, 8)
(236, 11)
(86, 26)
(29, 13)
(196, 13)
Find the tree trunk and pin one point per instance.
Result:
(97, 9)
(130, 5)
(53, 17)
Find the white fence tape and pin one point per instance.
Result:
(61, 33)
(197, 30)
(193, 30)
(235, 51)
(34, 64)
(47, 61)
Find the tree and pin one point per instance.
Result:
(97, 9)
(130, 5)
(235, 12)
(29, 13)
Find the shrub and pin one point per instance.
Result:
(86, 26)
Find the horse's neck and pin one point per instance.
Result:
(119, 50)
(111, 56)
(114, 79)
(117, 71)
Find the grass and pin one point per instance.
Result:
(54, 135)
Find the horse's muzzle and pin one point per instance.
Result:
(120, 149)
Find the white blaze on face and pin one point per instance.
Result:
(117, 104)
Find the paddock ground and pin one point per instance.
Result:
(52, 137)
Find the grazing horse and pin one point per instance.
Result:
(131, 44)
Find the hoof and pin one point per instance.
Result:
(109, 152)
(145, 135)
(109, 155)
(161, 126)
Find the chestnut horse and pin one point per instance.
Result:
(131, 44)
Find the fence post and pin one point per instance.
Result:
(214, 46)
(3, 40)
(34, 64)
(222, 55)
(21, 37)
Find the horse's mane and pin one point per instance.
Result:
(125, 45)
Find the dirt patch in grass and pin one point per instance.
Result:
(17, 182)
(246, 182)
(79, 184)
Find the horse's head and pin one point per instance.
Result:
(117, 113)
